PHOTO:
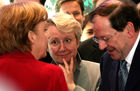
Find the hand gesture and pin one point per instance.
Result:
(68, 72)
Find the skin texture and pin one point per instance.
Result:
(62, 47)
(117, 41)
(73, 8)
(39, 40)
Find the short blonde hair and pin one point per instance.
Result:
(66, 23)
(16, 20)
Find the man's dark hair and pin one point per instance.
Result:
(87, 19)
(60, 2)
(119, 14)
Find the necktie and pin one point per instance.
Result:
(122, 75)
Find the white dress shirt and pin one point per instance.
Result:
(131, 53)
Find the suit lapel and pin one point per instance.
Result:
(134, 73)
(113, 75)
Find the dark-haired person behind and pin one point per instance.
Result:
(23, 40)
(117, 28)
(72, 7)
(89, 48)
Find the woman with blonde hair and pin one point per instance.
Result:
(23, 40)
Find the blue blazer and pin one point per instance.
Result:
(109, 73)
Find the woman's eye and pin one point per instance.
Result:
(90, 32)
(68, 40)
(54, 42)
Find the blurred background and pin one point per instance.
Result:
(50, 5)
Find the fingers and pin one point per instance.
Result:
(71, 64)
(66, 65)
(69, 67)
(61, 67)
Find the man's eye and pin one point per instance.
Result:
(67, 13)
(106, 39)
(76, 13)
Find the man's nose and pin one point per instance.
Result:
(102, 45)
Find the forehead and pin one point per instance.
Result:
(102, 25)
(70, 6)
(54, 32)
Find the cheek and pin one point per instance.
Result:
(52, 50)
(79, 18)
(73, 49)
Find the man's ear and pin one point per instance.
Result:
(31, 36)
(130, 29)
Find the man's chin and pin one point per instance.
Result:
(114, 57)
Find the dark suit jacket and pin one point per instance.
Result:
(109, 73)
(89, 50)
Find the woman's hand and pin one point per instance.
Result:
(68, 72)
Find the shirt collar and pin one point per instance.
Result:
(131, 53)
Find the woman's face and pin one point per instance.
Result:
(39, 40)
(61, 45)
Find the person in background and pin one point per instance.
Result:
(87, 29)
(23, 40)
(117, 28)
(96, 3)
(27, 0)
(39, 1)
(88, 49)
(64, 34)
(72, 7)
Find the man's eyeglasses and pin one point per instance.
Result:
(105, 39)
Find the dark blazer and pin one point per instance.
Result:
(109, 73)
(89, 50)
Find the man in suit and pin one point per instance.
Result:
(116, 26)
